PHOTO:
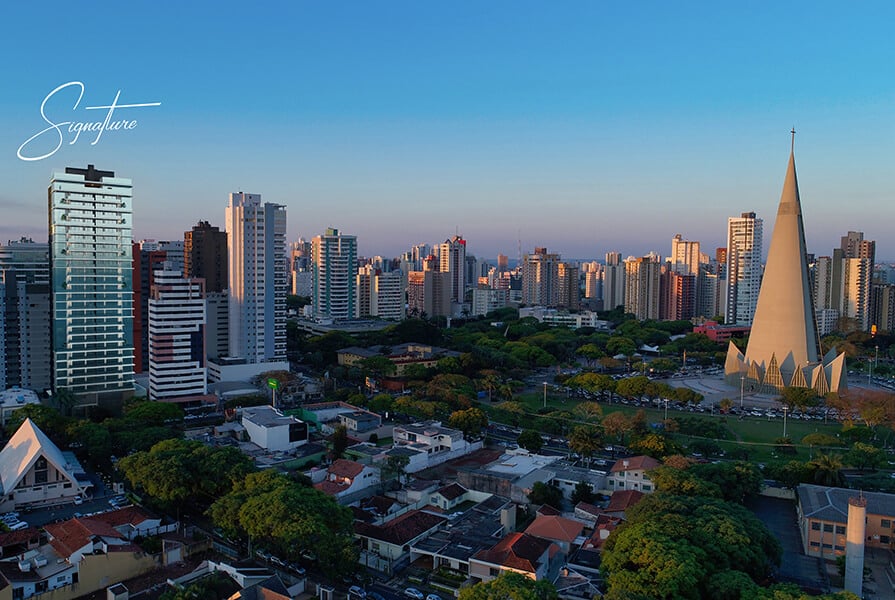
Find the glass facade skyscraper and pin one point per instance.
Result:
(90, 222)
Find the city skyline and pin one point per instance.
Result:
(402, 124)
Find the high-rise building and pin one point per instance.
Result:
(452, 259)
(502, 263)
(743, 272)
(540, 278)
(258, 279)
(568, 288)
(685, 257)
(176, 336)
(90, 218)
(147, 259)
(379, 294)
(783, 347)
(24, 315)
(679, 296)
(428, 294)
(643, 287)
(613, 281)
(334, 264)
(205, 256)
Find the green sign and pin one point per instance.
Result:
(273, 383)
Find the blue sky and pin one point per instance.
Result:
(581, 126)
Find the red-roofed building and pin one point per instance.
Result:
(622, 500)
(345, 477)
(520, 553)
(630, 474)
(383, 545)
(603, 526)
(560, 530)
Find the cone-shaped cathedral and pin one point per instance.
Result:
(783, 349)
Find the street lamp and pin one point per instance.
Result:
(785, 411)
(666, 408)
(742, 384)
(545, 394)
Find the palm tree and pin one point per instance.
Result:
(828, 469)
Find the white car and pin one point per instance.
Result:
(414, 594)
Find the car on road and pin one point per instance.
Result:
(414, 594)
(297, 569)
(79, 500)
(357, 592)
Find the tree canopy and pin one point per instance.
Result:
(510, 586)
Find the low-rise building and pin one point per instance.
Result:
(401, 355)
(449, 497)
(561, 531)
(631, 474)
(517, 552)
(438, 444)
(360, 421)
(35, 472)
(823, 519)
(387, 546)
(346, 477)
(270, 429)
(13, 399)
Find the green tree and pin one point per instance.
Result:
(339, 441)
(290, 518)
(510, 586)
(588, 411)
(148, 412)
(617, 425)
(530, 440)
(214, 586)
(381, 403)
(682, 482)
(394, 466)
(470, 421)
(828, 469)
(377, 366)
(178, 471)
(585, 440)
(672, 546)
(655, 445)
(798, 397)
(583, 492)
(544, 493)
(864, 456)
(47, 419)
(737, 480)
(65, 400)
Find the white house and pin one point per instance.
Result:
(35, 472)
(438, 444)
(631, 474)
(272, 430)
(345, 477)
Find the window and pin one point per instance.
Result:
(886, 523)
(884, 539)
(828, 527)
(839, 548)
(815, 544)
(815, 526)
(840, 529)
(494, 572)
(828, 546)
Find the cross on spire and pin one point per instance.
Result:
(792, 145)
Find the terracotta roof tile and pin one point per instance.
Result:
(452, 491)
(635, 463)
(623, 500)
(401, 530)
(552, 527)
(518, 551)
(345, 468)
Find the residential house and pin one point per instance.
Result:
(270, 429)
(438, 443)
(517, 552)
(346, 477)
(559, 530)
(449, 497)
(360, 421)
(35, 472)
(622, 500)
(631, 474)
(83, 555)
(383, 547)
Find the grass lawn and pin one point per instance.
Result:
(754, 434)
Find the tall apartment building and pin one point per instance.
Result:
(147, 259)
(205, 256)
(685, 256)
(176, 336)
(882, 310)
(90, 222)
(568, 289)
(613, 281)
(842, 284)
(744, 243)
(540, 278)
(380, 295)
(428, 293)
(452, 259)
(258, 279)
(334, 266)
(679, 295)
(24, 315)
(643, 287)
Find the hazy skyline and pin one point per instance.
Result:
(582, 127)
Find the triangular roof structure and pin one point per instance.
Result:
(784, 331)
(21, 452)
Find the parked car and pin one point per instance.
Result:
(433, 597)
(79, 500)
(357, 592)
(414, 593)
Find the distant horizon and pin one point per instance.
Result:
(585, 128)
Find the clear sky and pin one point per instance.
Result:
(581, 126)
